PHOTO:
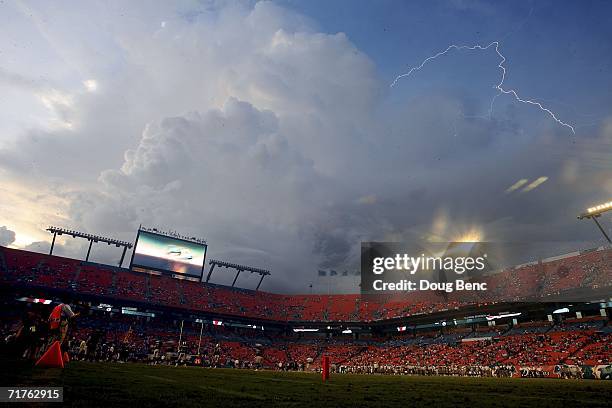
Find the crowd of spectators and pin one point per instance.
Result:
(591, 269)
(460, 352)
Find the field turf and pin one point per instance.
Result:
(135, 385)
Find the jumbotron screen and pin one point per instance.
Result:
(166, 254)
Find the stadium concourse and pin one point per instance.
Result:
(129, 316)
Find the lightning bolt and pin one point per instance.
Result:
(499, 87)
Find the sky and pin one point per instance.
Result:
(271, 128)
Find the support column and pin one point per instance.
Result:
(602, 230)
(238, 273)
(52, 243)
(212, 267)
(89, 250)
(260, 280)
(200, 341)
(180, 340)
(122, 256)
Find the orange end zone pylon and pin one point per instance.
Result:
(52, 358)
(325, 368)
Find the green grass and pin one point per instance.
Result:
(135, 385)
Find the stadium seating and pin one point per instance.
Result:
(560, 345)
(469, 350)
(590, 269)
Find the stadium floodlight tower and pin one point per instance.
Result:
(238, 268)
(91, 238)
(594, 213)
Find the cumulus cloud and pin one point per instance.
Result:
(278, 143)
(261, 102)
(7, 237)
(38, 246)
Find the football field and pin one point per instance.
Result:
(136, 385)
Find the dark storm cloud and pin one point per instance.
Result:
(334, 249)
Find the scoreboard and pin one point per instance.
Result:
(163, 253)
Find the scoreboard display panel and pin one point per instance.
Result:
(168, 254)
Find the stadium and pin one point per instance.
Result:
(151, 318)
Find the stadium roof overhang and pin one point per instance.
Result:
(91, 238)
